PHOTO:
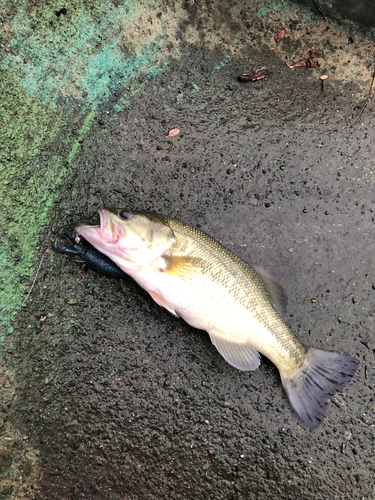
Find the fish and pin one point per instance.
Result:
(195, 277)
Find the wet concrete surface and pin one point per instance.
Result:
(118, 399)
(360, 14)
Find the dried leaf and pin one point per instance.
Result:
(309, 63)
(316, 53)
(173, 132)
(253, 76)
(279, 35)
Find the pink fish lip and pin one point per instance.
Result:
(107, 230)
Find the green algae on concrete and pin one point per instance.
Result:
(35, 141)
(56, 57)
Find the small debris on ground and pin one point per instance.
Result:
(173, 132)
(279, 35)
(253, 76)
(308, 62)
(316, 53)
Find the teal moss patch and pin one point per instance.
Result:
(221, 64)
(81, 57)
(124, 102)
(286, 10)
(276, 7)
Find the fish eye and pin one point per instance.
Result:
(125, 215)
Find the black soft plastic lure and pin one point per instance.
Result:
(87, 254)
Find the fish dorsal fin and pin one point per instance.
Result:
(182, 267)
(274, 290)
(240, 356)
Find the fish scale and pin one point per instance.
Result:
(242, 284)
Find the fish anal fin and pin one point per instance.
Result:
(241, 356)
(310, 387)
(182, 267)
(274, 290)
(160, 300)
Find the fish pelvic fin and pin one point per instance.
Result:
(241, 356)
(310, 387)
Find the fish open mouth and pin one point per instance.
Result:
(110, 238)
(107, 230)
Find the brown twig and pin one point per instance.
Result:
(35, 184)
(365, 104)
(36, 274)
(320, 11)
(253, 76)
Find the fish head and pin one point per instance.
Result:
(131, 239)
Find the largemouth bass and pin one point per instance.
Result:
(196, 278)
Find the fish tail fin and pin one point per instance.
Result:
(310, 387)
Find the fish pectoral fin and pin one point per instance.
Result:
(240, 356)
(274, 290)
(182, 267)
(160, 300)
